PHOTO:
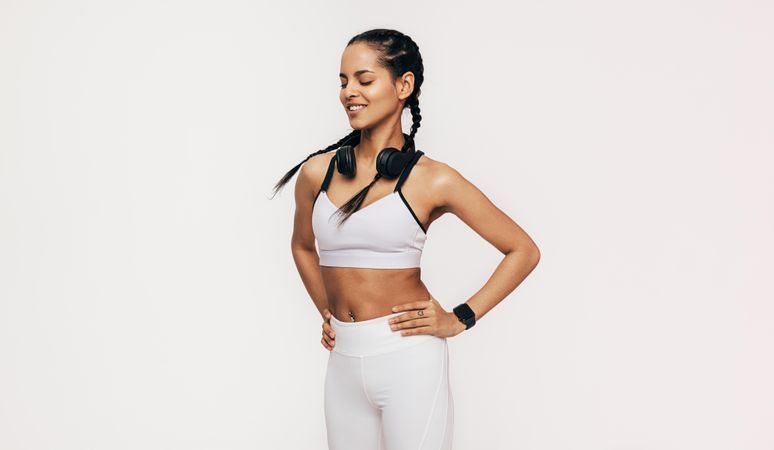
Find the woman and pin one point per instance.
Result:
(387, 383)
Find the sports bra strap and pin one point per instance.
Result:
(328, 175)
(407, 169)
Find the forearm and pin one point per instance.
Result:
(508, 275)
(308, 265)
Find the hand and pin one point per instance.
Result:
(328, 339)
(426, 317)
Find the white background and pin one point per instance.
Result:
(149, 299)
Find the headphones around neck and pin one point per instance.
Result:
(389, 163)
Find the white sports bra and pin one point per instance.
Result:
(385, 234)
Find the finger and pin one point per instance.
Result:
(419, 304)
(325, 344)
(327, 329)
(329, 340)
(417, 330)
(414, 314)
(411, 324)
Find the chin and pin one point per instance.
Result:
(357, 124)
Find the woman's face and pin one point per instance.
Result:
(365, 82)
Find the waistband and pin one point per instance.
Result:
(373, 336)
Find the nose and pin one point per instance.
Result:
(350, 98)
(349, 92)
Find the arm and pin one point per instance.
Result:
(466, 201)
(303, 242)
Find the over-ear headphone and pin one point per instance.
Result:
(389, 163)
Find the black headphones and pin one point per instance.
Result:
(389, 163)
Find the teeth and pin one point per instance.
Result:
(356, 107)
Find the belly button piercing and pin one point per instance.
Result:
(352, 316)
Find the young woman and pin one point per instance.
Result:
(387, 383)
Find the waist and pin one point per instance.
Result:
(373, 337)
(369, 293)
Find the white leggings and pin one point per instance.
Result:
(386, 391)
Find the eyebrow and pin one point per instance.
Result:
(361, 71)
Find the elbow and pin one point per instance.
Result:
(535, 257)
(528, 254)
(532, 255)
(297, 246)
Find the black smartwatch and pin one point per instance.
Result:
(465, 314)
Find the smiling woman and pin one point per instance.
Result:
(387, 381)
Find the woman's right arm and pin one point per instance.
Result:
(303, 242)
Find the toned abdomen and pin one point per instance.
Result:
(370, 293)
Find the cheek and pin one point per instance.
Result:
(381, 95)
(382, 100)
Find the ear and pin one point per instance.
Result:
(405, 85)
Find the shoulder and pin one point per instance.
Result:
(313, 171)
(440, 175)
(317, 165)
(446, 186)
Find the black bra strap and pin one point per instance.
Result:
(407, 169)
(328, 175)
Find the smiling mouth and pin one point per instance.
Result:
(356, 108)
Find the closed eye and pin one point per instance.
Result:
(364, 84)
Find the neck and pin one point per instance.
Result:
(372, 141)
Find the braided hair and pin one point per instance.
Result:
(399, 54)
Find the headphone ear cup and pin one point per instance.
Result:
(345, 160)
(390, 162)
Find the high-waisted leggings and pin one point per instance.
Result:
(386, 391)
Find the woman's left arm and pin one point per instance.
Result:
(466, 201)
(457, 195)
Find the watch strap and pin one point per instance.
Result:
(465, 315)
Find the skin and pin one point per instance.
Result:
(432, 189)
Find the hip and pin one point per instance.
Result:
(375, 337)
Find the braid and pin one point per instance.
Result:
(416, 118)
(354, 135)
(353, 204)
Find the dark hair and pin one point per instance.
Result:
(399, 54)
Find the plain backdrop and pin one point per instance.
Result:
(148, 295)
